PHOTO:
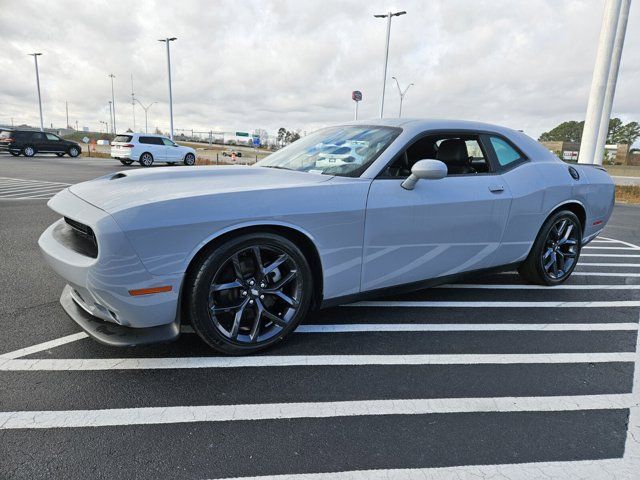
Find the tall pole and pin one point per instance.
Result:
(356, 112)
(113, 101)
(146, 109)
(402, 94)
(35, 57)
(110, 118)
(66, 106)
(601, 70)
(618, 45)
(133, 104)
(386, 54)
(167, 40)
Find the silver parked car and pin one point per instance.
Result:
(242, 253)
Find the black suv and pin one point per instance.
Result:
(29, 142)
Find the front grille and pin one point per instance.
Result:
(77, 237)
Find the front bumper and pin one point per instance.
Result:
(113, 334)
(101, 285)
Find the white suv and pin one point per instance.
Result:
(147, 148)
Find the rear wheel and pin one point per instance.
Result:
(555, 253)
(249, 293)
(29, 151)
(146, 159)
(189, 159)
(126, 162)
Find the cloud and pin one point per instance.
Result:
(266, 64)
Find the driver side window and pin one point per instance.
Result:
(463, 155)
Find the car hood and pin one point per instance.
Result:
(130, 188)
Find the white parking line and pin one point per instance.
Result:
(174, 363)
(615, 255)
(564, 286)
(589, 247)
(465, 327)
(271, 411)
(23, 352)
(446, 304)
(10, 179)
(587, 264)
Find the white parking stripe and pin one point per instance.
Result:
(29, 190)
(171, 363)
(590, 274)
(270, 411)
(26, 180)
(587, 264)
(622, 242)
(616, 255)
(464, 327)
(573, 470)
(564, 286)
(23, 352)
(589, 247)
(446, 304)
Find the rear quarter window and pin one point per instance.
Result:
(151, 140)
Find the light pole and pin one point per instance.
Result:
(110, 118)
(35, 57)
(167, 40)
(113, 101)
(386, 53)
(146, 109)
(105, 125)
(402, 94)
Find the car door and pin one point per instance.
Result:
(39, 141)
(173, 151)
(155, 146)
(54, 144)
(440, 228)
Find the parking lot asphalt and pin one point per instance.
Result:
(489, 378)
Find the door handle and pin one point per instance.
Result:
(496, 188)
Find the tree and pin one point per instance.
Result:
(570, 131)
(282, 133)
(158, 132)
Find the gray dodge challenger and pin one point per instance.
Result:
(348, 212)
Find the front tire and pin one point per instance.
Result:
(29, 151)
(146, 159)
(189, 159)
(73, 152)
(555, 252)
(248, 293)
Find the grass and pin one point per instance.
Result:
(628, 193)
(623, 170)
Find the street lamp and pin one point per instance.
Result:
(146, 126)
(110, 118)
(402, 94)
(167, 40)
(105, 125)
(386, 52)
(35, 57)
(113, 101)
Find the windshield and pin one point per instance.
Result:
(345, 151)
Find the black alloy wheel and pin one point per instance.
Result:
(556, 251)
(250, 293)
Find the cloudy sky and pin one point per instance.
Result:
(242, 65)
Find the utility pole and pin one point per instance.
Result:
(110, 118)
(66, 106)
(595, 107)
(35, 57)
(113, 102)
(618, 44)
(402, 94)
(133, 104)
(167, 40)
(76, 125)
(386, 53)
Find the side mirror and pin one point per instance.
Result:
(426, 169)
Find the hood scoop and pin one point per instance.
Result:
(118, 175)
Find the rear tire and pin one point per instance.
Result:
(555, 252)
(126, 162)
(29, 151)
(249, 293)
(146, 159)
(189, 159)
